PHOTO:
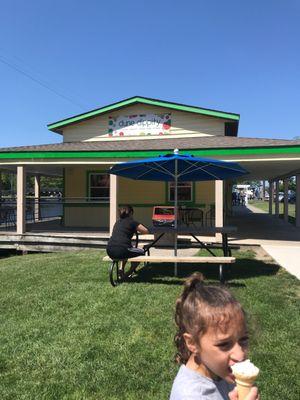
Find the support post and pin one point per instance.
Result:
(21, 199)
(0, 187)
(37, 191)
(219, 199)
(264, 190)
(298, 200)
(270, 197)
(286, 199)
(277, 198)
(113, 202)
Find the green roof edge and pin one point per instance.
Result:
(144, 153)
(137, 99)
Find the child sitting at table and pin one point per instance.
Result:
(119, 246)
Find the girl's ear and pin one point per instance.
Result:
(190, 343)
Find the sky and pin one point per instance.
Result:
(60, 58)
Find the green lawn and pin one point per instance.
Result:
(264, 205)
(66, 333)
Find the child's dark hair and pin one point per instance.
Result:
(125, 211)
(200, 307)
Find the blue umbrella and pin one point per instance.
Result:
(178, 168)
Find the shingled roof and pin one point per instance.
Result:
(215, 142)
(189, 143)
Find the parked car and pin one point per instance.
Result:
(291, 198)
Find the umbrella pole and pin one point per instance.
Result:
(176, 214)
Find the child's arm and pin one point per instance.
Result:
(253, 394)
(142, 229)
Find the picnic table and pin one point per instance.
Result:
(160, 231)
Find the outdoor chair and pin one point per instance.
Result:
(196, 217)
(210, 216)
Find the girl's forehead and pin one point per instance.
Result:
(227, 320)
(228, 328)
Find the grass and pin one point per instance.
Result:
(264, 205)
(66, 333)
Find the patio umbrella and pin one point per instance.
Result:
(178, 168)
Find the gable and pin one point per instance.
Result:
(178, 124)
(151, 110)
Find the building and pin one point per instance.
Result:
(141, 127)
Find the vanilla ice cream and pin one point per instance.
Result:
(245, 368)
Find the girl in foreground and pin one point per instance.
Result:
(212, 336)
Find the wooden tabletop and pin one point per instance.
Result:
(183, 229)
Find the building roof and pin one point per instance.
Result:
(59, 125)
(125, 145)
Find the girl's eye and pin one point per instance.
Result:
(225, 345)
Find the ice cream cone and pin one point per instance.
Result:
(243, 385)
(245, 375)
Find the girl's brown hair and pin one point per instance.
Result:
(125, 211)
(200, 307)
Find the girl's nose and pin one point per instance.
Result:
(238, 353)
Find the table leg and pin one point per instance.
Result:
(225, 244)
(203, 245)
(147, 247)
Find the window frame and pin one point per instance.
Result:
(97, 199)
(192, 187)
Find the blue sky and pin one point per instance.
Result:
(60, 58)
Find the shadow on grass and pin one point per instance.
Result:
(241, 270)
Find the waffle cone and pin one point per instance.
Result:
(244, 385)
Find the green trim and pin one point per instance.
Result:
(137, 99)
(200, 205)
(151, 153)
(86, 205)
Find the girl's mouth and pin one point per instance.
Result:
(232, 377)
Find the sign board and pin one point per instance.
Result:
(139, 125)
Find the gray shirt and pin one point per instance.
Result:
(190, 385)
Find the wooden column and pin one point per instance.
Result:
(264, 189)
(270, 197)
(1, 187)
(286, 202)
(37, 191)
(219, 199)
(113, 202)
(21, 199)
(277, 198)
(298, 200)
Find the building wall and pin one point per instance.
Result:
(181, 123)
(143, 195)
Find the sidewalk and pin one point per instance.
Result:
(287, 257)
(278, 238)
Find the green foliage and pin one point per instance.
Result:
(46, 183)
(8, 181)
(66, 333)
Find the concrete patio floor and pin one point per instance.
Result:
(278, 238)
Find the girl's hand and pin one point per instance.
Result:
(253, 394)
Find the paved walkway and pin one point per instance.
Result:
(278, 238)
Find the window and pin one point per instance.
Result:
(184, 191)
(98, 186)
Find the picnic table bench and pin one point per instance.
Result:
(115, 277)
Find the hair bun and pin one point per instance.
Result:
(194, 280)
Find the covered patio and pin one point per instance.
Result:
(272, 161)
